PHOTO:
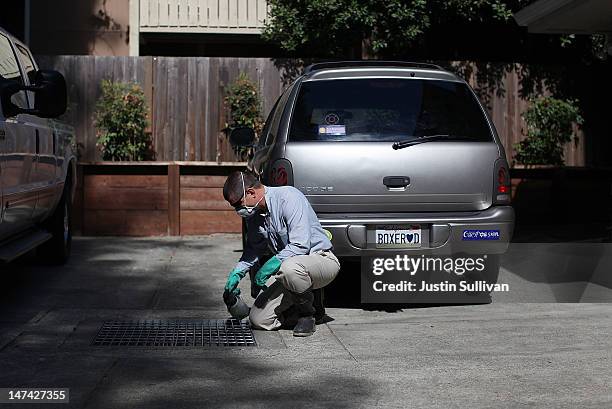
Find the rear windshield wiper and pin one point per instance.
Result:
(428, 138)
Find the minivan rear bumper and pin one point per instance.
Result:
(443, 233)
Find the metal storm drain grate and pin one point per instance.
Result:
(175, 333)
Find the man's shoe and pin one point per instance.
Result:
(288, 318)
(303, 304)
(305, 327)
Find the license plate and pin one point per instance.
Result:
(397, 236)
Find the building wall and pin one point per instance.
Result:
(12, 17)
(94, 27)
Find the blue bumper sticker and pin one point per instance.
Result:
(481, 235)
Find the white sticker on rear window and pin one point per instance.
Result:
(332, 130)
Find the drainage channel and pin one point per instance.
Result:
(175, 333)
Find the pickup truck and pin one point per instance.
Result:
(37, 158)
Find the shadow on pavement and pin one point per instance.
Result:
(110, 278)
(110, 273)
(345, 292)
(227, 383)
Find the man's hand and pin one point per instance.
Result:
(270, 267)
(233, 280)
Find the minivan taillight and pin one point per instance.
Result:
(501, 188)
(281, 173)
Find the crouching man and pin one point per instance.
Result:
(280, 221)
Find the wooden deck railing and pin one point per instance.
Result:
(202, 16)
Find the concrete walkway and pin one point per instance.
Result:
(499, 355)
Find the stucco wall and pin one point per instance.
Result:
(95, 27)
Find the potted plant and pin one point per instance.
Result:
(551, 123)
(121, 122)
(243, 103)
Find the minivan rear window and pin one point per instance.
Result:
(382, 109)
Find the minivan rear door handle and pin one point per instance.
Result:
(396, 181)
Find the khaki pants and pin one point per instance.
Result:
(296, 274)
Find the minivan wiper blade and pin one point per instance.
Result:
(428, 138)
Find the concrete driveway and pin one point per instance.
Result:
(504, 354)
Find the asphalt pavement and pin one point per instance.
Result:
(533, 347)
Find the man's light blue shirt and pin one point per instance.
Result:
(289, 228)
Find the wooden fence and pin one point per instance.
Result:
(505, 112)
(185, 97)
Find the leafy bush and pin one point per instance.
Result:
(339, 28)
(549, 127)
(244, 108)
(121, 121)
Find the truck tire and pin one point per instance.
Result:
(490, 274)
(56, 251)
(493, 265)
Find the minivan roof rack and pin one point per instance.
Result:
(368, 63)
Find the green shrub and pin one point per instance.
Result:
(549, 127)
(244, 109)
(121, 122)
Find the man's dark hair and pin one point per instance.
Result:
(232, 189)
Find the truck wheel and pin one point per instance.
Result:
(490, 275)
(492, 268)
(57, 250)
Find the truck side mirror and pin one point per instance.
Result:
(50, 95)
(242, 136)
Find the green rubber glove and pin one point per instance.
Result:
(270, 267)
(233, 280)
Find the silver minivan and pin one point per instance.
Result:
(393, 156)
